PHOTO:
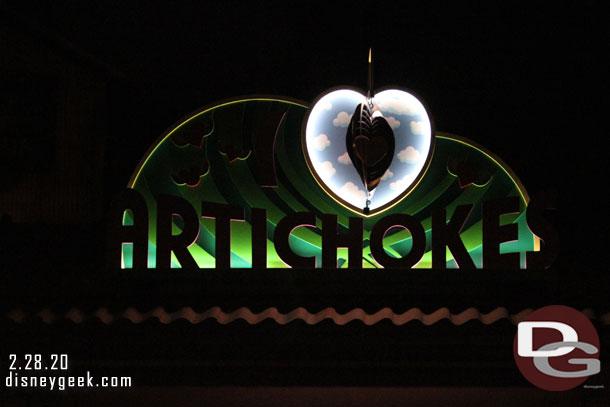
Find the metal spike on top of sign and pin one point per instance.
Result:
(371, 93)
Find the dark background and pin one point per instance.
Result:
(88, 86)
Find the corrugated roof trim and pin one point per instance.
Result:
(357, 314)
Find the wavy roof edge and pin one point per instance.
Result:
(131, 314)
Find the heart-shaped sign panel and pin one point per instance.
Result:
(339, 171)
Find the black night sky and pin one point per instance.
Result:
(529, 81)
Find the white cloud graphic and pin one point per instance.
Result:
(326, 170)
(400, 107)
(409, 155)
(321, 142)
(419, 127)
(350, 192)
(344, 159)
(394, 124)
(401, 184)
(342, 119)
(387, 174)
(326, 106)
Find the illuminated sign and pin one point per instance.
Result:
(265, 182)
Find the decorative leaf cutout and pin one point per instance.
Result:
(232, 152)
(194, 133)
(191, 176)
(468, 172)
